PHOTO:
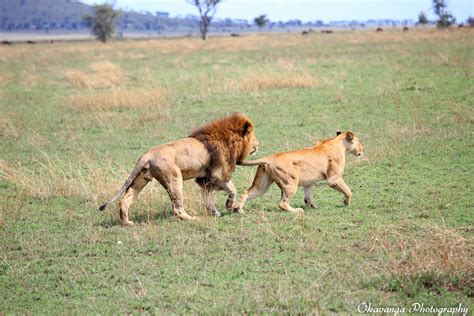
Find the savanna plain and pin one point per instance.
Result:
(75, 117)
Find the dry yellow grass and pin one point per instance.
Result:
(83, 177)
(263, 81)
(117, 98)
(245, 42)
(7, 128)
(100, 75)
(6, 78)
(430, 250)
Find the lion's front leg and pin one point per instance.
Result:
(208, 191)
(220, 179)
(230, 188)
(209, 198)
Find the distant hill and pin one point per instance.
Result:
(42, 14)
(46, 15)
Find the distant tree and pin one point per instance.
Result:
(260, 21)
(207, 9)
(102, 21)
(439, 7)
(445, 18)
(470, 21)
(422, 19)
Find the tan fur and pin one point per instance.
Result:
(209, 155)
(305, 167)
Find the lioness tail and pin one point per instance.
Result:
(142, 162)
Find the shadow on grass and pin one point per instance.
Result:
(139, 218)
(147, 217)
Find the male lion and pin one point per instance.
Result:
(304, 167)
(209, 154)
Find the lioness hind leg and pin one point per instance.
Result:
(287, 193)
(260, 185)
(130, 195)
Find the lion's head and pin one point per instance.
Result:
(229, 140)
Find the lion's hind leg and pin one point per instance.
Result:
(131, 194)
(174, 187)
(260, 185)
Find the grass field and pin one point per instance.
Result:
(76, 116)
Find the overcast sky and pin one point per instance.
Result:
(305, 10)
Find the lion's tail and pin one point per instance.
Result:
(142, 162)
(256, 162)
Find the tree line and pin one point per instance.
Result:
(104, 17)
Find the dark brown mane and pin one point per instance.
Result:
(226, 139)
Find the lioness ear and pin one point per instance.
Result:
(338, 133)
(349, 136)
(247, 128)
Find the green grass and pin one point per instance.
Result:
(406, 237)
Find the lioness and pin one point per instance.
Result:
(209, 155)
(304, 167)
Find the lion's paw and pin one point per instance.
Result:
(127, 223)
(215, 212)
(239, 210)
(229, 204)
(310, 205)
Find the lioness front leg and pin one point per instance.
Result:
(308, 198)
(339, 185)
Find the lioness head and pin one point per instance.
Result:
(352, 143)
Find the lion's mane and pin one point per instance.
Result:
(227, 140)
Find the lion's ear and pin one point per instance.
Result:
(349, 136)
(247, 128)
(338, 133)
